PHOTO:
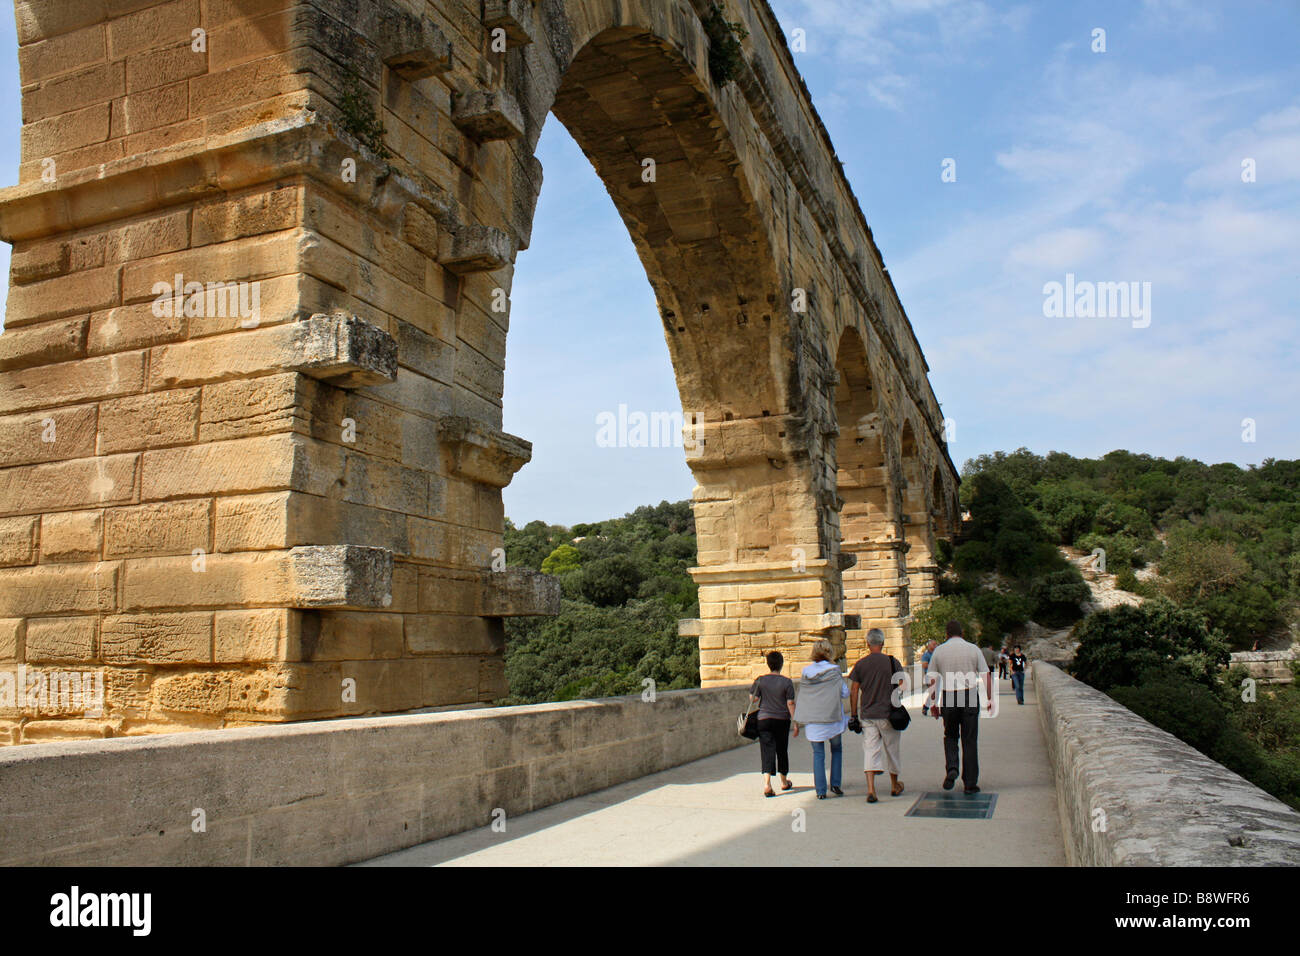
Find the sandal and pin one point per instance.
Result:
(871, 798)
(768, 793)
(787, 785)
(894, 793)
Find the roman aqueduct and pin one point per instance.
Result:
(251, 446)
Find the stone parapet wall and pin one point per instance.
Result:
(337, 791)
(1133, 795)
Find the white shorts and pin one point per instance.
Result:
(881, 746)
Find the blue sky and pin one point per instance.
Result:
(1115, 166)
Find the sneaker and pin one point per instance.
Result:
(972, 789)
(821, 796)
(949, 780)
(837, 791)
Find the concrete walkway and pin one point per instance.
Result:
(712, 812)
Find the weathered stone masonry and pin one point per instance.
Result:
(241, 507)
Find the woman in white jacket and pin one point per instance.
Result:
(820, 709)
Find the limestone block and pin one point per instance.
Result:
(70, 383)
(257, 635)
(340, 349)
(477, 451)
(173, 527)
(304, 577)
(515, 17)
(347, 636)
(153, 420)
(689, 627)
(131, 327)
(11, 639)
(44, 344)
(200, 692)
(18, 541)
(156, 68)
(261, 211)
(60, 639)
(244, 465)
(45, 19)
(159, 24)
(84, 482)
(519, 592)
(58, 589)
(420, 229)
(486, 115)
(72, 536)
(156, 638)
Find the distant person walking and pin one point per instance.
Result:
(871, 688)
(774, 695)
(1018, 662)
(1003, 659)
(990, 657)
(959, 668)
(820, 710)
(925, 657)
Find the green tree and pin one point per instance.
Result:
(929, 622)
(564, 558)
(1118, 645)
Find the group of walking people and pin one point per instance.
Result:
(875, 689)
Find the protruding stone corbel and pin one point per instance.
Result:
(520, 592)
(482, 453)
(341, 575)
(690, 627)
(515, 17)
(345, 351)
(470, 248)
(413, 47)
(486, 115)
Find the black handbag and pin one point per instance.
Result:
(747, 725)
(899, 718)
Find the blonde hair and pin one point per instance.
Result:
(822, 650)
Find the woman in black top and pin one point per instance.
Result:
(774, 695)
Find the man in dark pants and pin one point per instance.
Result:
(959, 667)
(1018, 662)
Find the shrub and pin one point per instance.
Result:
(999, 613)
(1117, 645)
(1057, 596)
(610, 581)
(929, 622)
(725, 52)
(973, 557)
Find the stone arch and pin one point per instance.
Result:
(633, 89)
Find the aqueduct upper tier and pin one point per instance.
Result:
(251, 446)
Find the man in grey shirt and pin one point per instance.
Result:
(872, 682)
(957, 667)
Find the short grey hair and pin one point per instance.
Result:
(876, 637)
